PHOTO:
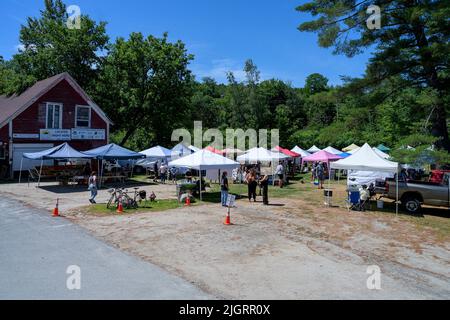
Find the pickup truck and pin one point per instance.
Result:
(414, 194)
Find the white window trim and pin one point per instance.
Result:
(61, 110)
(76, 116)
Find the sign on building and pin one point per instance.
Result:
(54, 135)
(26, 135)
(88, 134)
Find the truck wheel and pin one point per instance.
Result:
(412, 205)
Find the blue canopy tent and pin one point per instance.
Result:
(61, 152)
(113, 152)
(345, 155)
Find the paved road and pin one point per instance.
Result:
(36, 250)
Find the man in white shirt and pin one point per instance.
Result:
(279, 171)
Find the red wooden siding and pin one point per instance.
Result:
(34, 118)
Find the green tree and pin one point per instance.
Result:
(50, 47)
(145, 86)
(316, 83)
(413, 42)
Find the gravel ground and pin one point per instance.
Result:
(295, 251)
(292, 249)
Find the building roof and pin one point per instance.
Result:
(11, 107)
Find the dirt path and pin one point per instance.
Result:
(293, 251)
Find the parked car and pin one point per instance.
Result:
(414, 194)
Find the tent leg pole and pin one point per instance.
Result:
(40, 173)
(20, 173)
(98, 172)
(101, 173)
(396, 195)
(200, 174)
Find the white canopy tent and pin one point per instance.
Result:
(261, 155)
(366, 159)
(257, 155)
(313, 149)
(157, 152)
(204, 160)
(194, 148)
(181, 150)
(300, 151)
(332, 150)
(377, 151)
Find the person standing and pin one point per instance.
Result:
(163, 172)
(313, 171)
(251, 184)
(224, 188)
(320, 174)
(264, 184)
(93, 186)
(279, 171)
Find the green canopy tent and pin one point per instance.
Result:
(383, 148)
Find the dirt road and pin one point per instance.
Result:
(288, 251)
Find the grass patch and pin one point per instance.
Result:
(100, 209)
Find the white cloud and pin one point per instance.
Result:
(19, 48)
(218, 70)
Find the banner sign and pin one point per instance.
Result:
(26, 135)
(231, 199)
(54, 135)
(88, 134)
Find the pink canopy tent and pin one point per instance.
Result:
(214, 150)
(323, 156)
(287, 152)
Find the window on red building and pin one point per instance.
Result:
(54, 116)
(83, 117)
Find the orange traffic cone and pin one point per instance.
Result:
(188, 201)
(120, 207)
(227, 221)
(56, 209)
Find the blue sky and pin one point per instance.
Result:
(221, 34)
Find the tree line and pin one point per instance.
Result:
(144, 83)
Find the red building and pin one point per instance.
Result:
(51, 112)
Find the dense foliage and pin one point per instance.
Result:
(145, 86)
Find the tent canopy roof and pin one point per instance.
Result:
(345, 155)
(204, 160)
(181, 149)
(113, 152)
(287, 152)
(157, 152)
(194, 148)
(376, 150)
(63, 151)
(261, 155)
(232, 151)
(313, 149)
(323, 156)
(332, 150)
(350, 147)
(383, 148)
(300, 151)
(214, 150)
(366, 159)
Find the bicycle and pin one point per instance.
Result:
(116, 195)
